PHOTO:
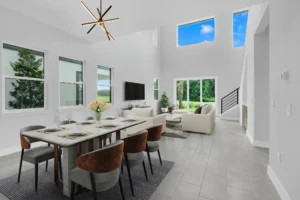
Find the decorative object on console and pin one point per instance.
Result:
(98, 107)
(164, 102)
(171, 108)
(99, 21)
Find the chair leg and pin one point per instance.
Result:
(109, 140)
(145, 170)
(36, 166)
(129, 173)
(20, 167)
(60, 168)
(93, 186)
(121, 188)
(122, 169)
(159, 157)
(46, 166)
(72, 190)
(149, 158)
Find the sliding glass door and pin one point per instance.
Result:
(193, 93)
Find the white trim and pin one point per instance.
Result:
(195, 21)
(111, 85)
(75, 83)
(45, 80)
(279, 187)
(257, 143)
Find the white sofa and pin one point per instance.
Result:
(148, 115)
(200, 123)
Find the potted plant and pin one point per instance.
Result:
(98, 107)
(164, 102)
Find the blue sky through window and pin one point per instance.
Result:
(240, 21)
(196, 33)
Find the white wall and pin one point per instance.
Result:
(218, 58)
(262, 100)
(284, 56)
(133, 57)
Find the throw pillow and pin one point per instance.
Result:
(198, 110)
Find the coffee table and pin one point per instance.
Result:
(173, 119)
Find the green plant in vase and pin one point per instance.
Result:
(98, 107)
(164, 102)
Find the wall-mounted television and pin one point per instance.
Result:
(134, 91)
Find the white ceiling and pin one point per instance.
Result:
(135, 15)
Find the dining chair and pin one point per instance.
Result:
(107, 136)
(154, 134)
(35, 155)
(99, 170)
(66, 122)
(134, 147)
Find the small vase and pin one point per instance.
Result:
(98, 116)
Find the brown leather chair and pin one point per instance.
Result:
(99, 170)
(134, 147)
(35, 155)
(154, 134)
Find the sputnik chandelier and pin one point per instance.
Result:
(100, 21)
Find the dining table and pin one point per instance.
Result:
(72, 147)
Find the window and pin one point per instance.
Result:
(23, 74)
(240, 21)
(196, 33)
(71, 82)
(193, 93)
(104, 84)
(156, 89)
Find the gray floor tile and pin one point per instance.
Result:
(186, 191)
(238, 194)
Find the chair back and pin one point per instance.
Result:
(154, 132)
(104, 160)
(66, 122)
(25, 141)
(89, 118)
(136, 143)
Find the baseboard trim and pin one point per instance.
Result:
(279, 187)
(257, 143)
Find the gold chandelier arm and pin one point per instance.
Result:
(105, 12)
(100, 22)
(105, 30)
(89, 11)
(91, 28)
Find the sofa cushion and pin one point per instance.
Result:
(205, 109)
(143, 112)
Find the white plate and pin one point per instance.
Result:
(110, 117)
(77, 133)
(51, 129)
(109, 125)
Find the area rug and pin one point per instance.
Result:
(48, 191)
(175, 130)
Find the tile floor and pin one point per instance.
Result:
(223, 166)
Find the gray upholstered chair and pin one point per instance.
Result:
(66, 122)
(107, 136)
(35, 155)
(134, 147)
(154, 134)
(99, 170)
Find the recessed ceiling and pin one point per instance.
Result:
(135, 15)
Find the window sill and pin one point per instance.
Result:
(17, 113)
(72, 108)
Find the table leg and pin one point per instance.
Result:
(56, 176)
(118, 135)
(90, 145)
(100, 142)
(104, 140)
(69, 163)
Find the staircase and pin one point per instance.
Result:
(230, 100)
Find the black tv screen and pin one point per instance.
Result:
(134, 91)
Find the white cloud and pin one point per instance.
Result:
(205, 29)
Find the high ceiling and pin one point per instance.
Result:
(135, 15)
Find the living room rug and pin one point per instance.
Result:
(175, 130)
(47, 190)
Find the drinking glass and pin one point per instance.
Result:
(57, 119)
(69, 116)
